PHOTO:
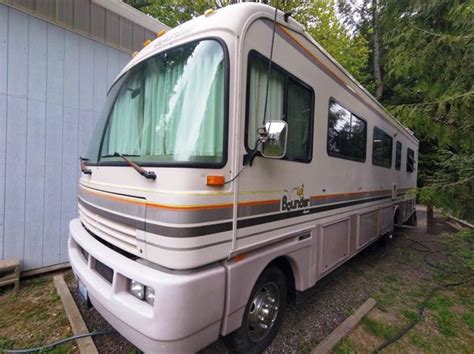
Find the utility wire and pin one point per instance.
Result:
(423, 248)
(54, 344)
(270, 65)
(420, 313)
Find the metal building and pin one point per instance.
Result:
(57, 60)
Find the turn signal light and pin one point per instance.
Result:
(215, 180)
(239, 257)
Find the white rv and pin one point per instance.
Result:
(200, 211)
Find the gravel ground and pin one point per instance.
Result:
(330, 302)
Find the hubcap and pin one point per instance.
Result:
(263, 311)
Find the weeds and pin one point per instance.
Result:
(379, 329)
(344, 347)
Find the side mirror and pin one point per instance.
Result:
(274, 139)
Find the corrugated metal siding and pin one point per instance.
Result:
(53, 84)
(90, 19)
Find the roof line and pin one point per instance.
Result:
(130, 13)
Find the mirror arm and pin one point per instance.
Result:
(249, 157)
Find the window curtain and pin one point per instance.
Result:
(173, 105)
(257, 91)
(299, 118)
(124, 130)
(194, 105)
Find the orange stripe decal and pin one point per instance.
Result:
(131, 200)
(260, 202)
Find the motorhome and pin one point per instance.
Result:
(235, 164)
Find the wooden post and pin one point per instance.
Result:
(10, 273)
(430, 226)
(344, 329)
(86, 344)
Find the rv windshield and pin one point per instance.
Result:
(168, 109)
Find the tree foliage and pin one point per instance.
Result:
(319, 17)
(427, 63)
(322, 23)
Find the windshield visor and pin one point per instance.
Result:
(168, 110)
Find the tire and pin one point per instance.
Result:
(412, 221)
(261, 311)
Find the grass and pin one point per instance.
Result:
(379, 329)
(446, 319)
(469, 320)
(421, 342)
(410, 315)
(33, 317)
(386, 298)
(447, 324)
(344, 347)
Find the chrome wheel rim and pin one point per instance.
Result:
(263, 311)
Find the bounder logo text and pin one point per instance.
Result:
(299, 201)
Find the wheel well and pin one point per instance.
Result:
(284, 264)
(396, 217)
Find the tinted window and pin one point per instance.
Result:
(288, 99)
(381, 148)
(398, 156)
(299, 113)
(347, 134)
(410, 160)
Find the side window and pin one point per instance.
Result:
(288, 100)
(299, 115)
(381, 148)
(347, 134)
(257, 87)
(398, 156)
(410, 160)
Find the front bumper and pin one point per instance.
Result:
(188, 306)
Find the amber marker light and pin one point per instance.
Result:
(215, 180)
(159, 34)
(146, 42)
(239, 257)
(208, 12)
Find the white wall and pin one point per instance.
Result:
(53, 83)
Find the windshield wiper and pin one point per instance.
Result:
(116, 154)
(138, 168)
(84, 169)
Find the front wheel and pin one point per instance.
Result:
(263, 313)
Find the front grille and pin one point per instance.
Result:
(106, 272)
(111, 246)
(121, 235)
(84, 253)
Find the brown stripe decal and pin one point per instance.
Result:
(160, 229)
(136, 208)
(303, 212)
(226, 226)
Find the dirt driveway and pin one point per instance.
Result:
(396, 276)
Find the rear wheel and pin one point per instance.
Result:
(263, 313)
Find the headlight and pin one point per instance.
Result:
(137, 289)
(150, 295)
